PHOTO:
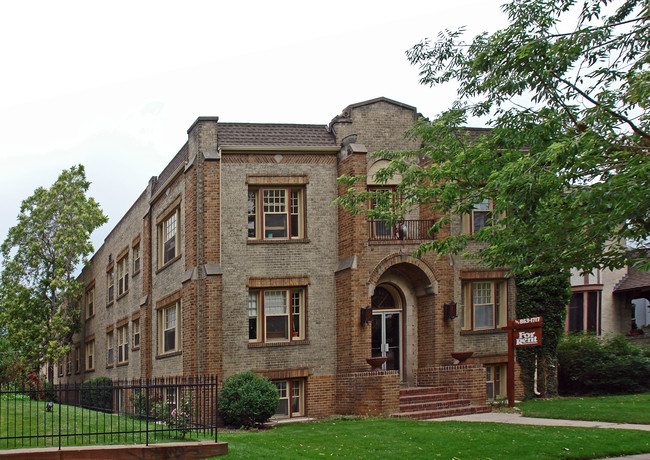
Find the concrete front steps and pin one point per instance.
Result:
(423, 403)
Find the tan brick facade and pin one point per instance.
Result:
(200, 258)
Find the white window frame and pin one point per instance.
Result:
(496, 376)
(291, 392)
(123, 344)
(168, 229)
(123, 276)
(164, 323)
(265, 202)
(90, 355)
(110, 286)
(110, 347)
(261, 310)
(498, 292)
(136, 259)
(136, 333)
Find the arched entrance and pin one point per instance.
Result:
(387, 306)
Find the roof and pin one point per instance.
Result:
(634, 280)
(274, 135)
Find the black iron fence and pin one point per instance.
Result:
(401, 230)
(106, 412)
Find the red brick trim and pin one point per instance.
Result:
(135, 315)
(168, 210)
(123, 322)
(477, 274)
(135, 241)
(284, 373)
(278, 344)
(168, 299)
(110, 266)
(253, 179)
(123, 253)
(110, 328)
(277, 281)
(90, 285)
(89, 338)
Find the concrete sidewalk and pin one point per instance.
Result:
(502, 417)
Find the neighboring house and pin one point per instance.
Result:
(609, 301)
(234, 258)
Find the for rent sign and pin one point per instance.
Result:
(528, 337)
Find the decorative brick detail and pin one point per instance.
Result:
(476, 274)
(277, 180)
(123, 252)
(282, 374)
(168, 210)
(123, 322)
(374, 393)
(279, 281)
(173, 297)
(327, 159)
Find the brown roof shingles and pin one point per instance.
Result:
(274, 135)
(634, 280)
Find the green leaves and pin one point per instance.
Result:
(40, 254)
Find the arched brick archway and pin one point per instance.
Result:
(419, 270)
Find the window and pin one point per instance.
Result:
(90, 302)
(136, 333)
(169, 328)
(485, 304)
(482, 216)
(276, 213)
(496, 381)
(291, 398)
(584, 311)
(122, 344)
(68, 363)
(110, 283)
(90, 355)
(136, 259)
(60, 369)
(382, 229)
(122, 275)
(276, 315)
(168, 238)
(77, 359)
(109, 349)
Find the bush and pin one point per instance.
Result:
(97, 394)
(611, 365)
(248, 400)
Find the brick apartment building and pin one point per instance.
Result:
(234, 258)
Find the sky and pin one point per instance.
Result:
(115, 85)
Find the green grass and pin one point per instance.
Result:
(23, 417)
(390, 439)
(617, 409)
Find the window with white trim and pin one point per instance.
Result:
(136, 333)
(136, 259)
(90, 302)
(169, 245)
(110, 286)
(485, 304)
(276, 213)
(110, 347)
(482, 216)
(169, 319)
(292, 401)
(90, 355)
(276, 315)
(122, 344)
(496, 375)
(122, 275)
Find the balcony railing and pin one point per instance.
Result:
(401, 230)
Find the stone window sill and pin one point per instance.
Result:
(278, 344)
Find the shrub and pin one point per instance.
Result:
(97, 394)
(248, 400)
(588, 364)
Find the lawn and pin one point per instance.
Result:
(23, 417)
(389, 439)
(618, 409)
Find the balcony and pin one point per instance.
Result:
(402, 230)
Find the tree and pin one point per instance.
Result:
(566, 162)
(38, 288)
